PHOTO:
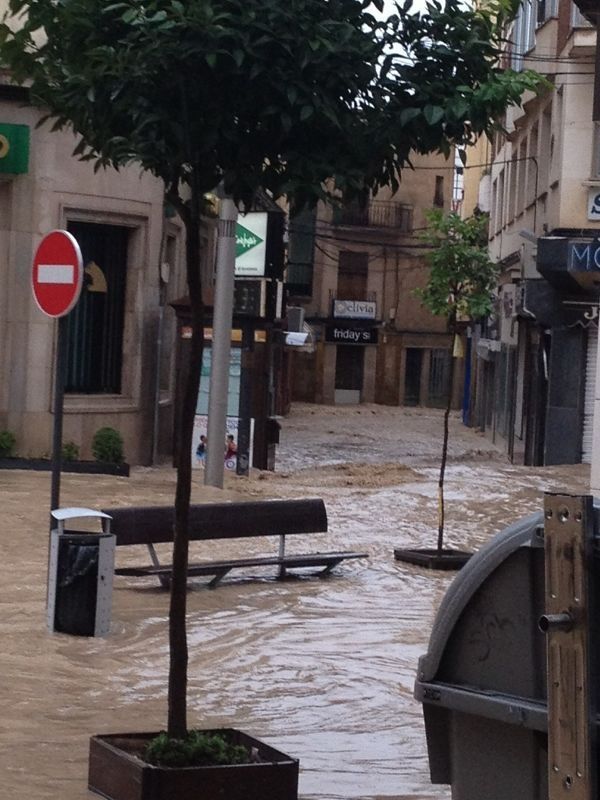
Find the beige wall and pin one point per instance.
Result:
(564, 166)
(59, 189)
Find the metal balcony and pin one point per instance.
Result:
(589, 8)
(375, 214)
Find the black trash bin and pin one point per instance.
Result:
(483, 680)
(80, 576)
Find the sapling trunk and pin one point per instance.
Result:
(440, 540)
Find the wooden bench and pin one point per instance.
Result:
(152, 525)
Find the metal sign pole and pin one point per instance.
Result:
(221, 345)
(59, 393)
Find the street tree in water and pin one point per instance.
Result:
(305, 99)
(460, 288)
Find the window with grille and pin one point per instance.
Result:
(545, 10)
(523, 31)
(577, 18)
(95, 326)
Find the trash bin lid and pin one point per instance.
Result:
(479, 567)
(62, 514)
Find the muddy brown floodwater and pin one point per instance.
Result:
(322, 669)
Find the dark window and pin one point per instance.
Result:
(95, 337)
(300, 253)
(438, 196)
(541, 11)
(352, 275)
(412, 378)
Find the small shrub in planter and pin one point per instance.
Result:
(70, 451)
(107, 446)
(7, 444)
(197, 749)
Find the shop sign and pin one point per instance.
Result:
(583, 256)
(251, 245)
(594, 203)
(354, 309)
(14, 148)
(343, 334)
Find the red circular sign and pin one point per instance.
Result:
(57, 275)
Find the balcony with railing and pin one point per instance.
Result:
(375, 214)
(587, 9)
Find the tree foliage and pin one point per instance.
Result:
(462, 277)
(260, 92)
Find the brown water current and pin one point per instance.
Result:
(322, 669)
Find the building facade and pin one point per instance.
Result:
(353, 270)
(120, 370)
(533, 369)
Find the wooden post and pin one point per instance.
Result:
(568, 531)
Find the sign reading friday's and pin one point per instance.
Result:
(14, 148)
(345, 334)
(251, 245)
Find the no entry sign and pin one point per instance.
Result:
(57, 274)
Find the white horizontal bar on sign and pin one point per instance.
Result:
(55, 273)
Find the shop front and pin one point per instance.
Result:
(355, 354)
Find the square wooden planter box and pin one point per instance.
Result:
(117, 773)
(431, 559)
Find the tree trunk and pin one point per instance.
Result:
(441, 509)
(178, 660)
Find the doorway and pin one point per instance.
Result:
(349, 363)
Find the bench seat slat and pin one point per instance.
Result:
(215, 567)
(154, 524)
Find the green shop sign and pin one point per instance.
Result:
(14, 148)
(250, 245)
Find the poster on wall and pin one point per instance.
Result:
(233, 394)
(200, 442)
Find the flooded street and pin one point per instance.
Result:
(321, 669)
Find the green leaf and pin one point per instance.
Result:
(433, 114)
(408, 114)
(130, 15)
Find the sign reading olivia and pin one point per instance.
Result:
(57, 275)
(354, 309)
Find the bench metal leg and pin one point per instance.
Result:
(327, 569)
(218, 577)
(165, 580)
(282, 572)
